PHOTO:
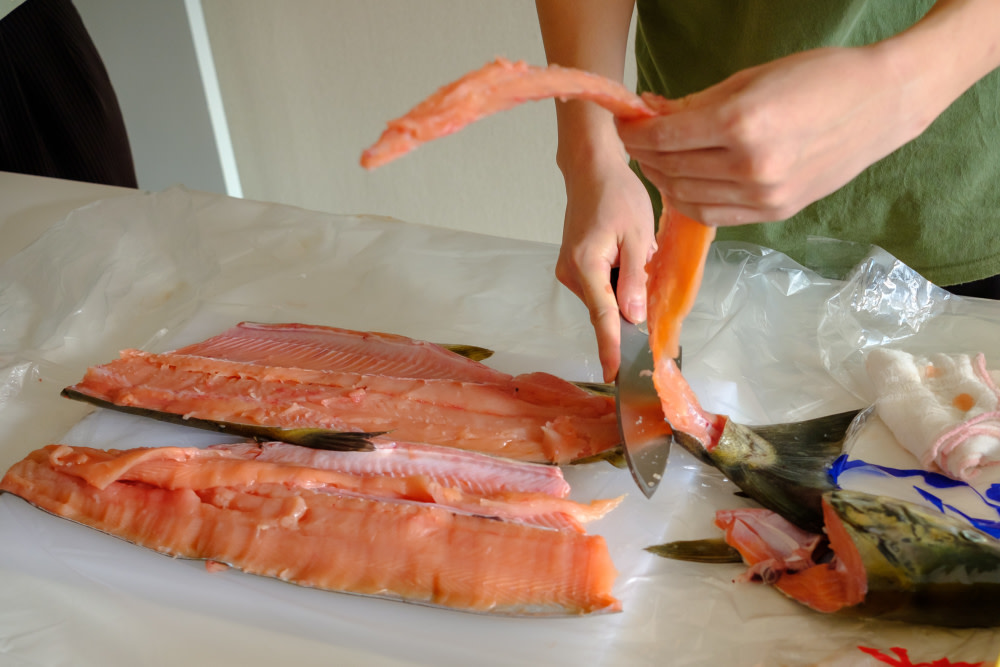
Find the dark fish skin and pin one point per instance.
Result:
(784, 467)
(314, 438)
(922, 566)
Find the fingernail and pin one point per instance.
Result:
(637, 311)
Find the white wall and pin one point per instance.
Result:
(308, 84)
(147, 49)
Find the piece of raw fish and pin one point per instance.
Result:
(297, 528)
(533, 417)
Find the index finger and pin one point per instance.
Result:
(685, 130)
(604, 316)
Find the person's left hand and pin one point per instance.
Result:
(770, 140)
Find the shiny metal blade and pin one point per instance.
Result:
(646, 435)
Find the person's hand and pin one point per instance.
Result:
(770, 140)
(609, 222)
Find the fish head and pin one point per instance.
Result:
(921, 565)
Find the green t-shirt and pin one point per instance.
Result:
(934, 203)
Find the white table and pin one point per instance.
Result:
(156, 269)
(31, 204)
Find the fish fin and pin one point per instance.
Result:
(597, 388)
(615, 456)
(473, 352)
(821, 436)
(713, 550)
(338, 441)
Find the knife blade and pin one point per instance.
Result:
(646, 435)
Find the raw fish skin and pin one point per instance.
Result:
(413, 551)
(322, 348)
(536, 417)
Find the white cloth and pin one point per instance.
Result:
(942, 408)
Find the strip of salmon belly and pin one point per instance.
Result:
(411, 551)
(674, 276)
(676, 268)
(498, 86)
(323, 348)
(498, 419)
(680, 405)
(177, 468)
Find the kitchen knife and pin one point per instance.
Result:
(646, 435)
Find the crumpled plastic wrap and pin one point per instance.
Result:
(885, 302)
(768, 341)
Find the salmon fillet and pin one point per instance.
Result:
(297, 528)
(532, 418)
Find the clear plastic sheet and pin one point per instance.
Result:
(885, 303)
(160, 270)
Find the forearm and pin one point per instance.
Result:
(942, 56)
(591, 35)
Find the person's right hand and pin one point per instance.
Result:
(609, 223)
